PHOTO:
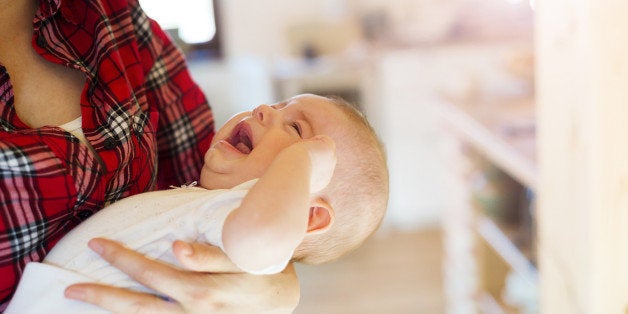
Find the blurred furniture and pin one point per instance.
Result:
(490, 227)
(460, 133)
(321, 75)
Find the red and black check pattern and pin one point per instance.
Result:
(141, 112)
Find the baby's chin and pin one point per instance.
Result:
(204, 184)
(216, 181)
(208, 180)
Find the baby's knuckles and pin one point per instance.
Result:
(322, 153)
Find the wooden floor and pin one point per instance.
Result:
(393, 272)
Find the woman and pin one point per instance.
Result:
(94, 99)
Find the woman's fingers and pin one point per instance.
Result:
(118, 300)
(151, 273)
(194, 292)
(202, 257)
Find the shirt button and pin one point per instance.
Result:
(110, 143)
(84, 214)
(41, 41)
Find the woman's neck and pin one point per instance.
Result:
(16, 21)
(16, 16)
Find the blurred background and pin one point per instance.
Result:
(449, 85)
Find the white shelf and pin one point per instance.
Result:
(512, 158)
(500, 242)
(502, 131)
(488, 305)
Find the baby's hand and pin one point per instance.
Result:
(322, 151)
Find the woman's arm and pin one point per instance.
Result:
(186, 123)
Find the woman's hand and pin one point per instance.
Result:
(213, 284)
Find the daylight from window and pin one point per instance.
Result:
(194, 19)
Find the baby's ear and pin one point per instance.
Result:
(321, 217)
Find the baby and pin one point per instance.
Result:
(301, 180)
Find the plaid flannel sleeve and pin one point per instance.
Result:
(186, 123)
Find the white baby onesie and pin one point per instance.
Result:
(148, 223)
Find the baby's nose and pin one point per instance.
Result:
(263, 113)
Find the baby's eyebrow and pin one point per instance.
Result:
(280, 105)
(306, 118)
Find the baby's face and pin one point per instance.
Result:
(247, 144)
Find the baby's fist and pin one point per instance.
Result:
(322, 151)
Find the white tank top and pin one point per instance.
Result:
(75, 127)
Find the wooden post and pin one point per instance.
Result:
(582, 101)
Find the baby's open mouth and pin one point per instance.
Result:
(241, 139)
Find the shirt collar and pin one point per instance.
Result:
(47, 8)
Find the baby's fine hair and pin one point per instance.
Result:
(358, 190)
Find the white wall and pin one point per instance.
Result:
(259, 28)
(412, 82)
(255, 39)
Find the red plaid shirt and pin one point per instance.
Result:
(141, 112)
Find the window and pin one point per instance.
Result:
(192, 23)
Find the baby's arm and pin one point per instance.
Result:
(273, 217)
